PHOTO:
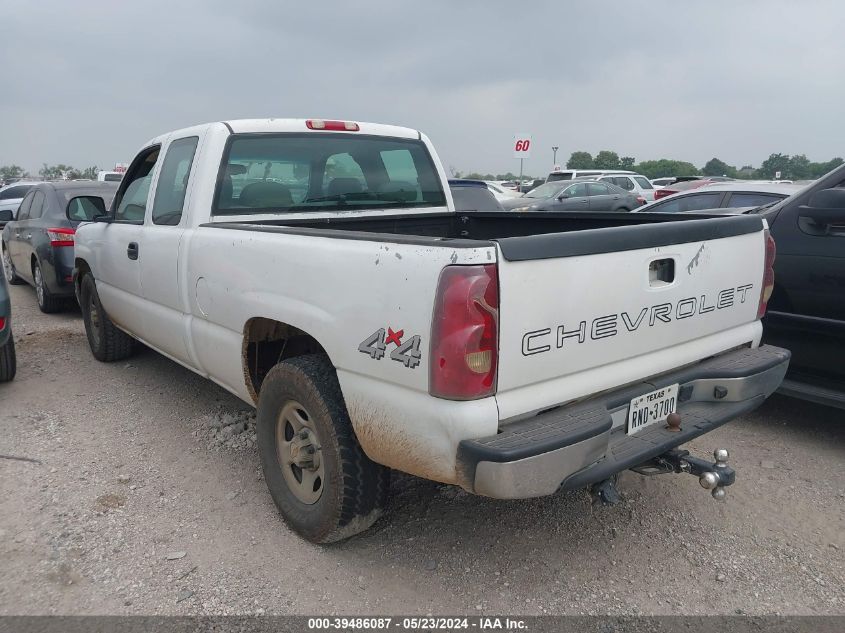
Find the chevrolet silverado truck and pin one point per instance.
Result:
(317, 270)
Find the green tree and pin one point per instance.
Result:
(12, 172)
(716, 167)
(627, 162)
(773, 164)
(665, 168)
(606, 159)
(817, 170)
(91, 173)
(580, 160)
(799, 167)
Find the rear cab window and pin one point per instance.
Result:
(271, 173)
(643, 182)
(172, 185)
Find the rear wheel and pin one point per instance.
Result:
(326, 488)
(106, 341)
(8, 268)
(8, 364)
(47, 303)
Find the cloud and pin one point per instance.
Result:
(90, 82)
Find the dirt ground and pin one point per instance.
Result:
(140, 503)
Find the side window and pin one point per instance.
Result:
(643, 182)
(699, 201)
(37, 205)
(596, 189)
(752, 199)
(130, 202)
(173, 181)
(625, 182)
(577, 191)
(26, 203)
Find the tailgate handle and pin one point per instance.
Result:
(661, 272)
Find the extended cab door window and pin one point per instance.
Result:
(173, 181)
(130, 202)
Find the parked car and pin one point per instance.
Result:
(37, 247)
(10, 199)
(581, 195)
(680, 185)
(8, 362)
(736, 195)
(511, 354)
(109, 176)
(632, 183)
(529, 186)
(473, 195)
(571, 174)
(501, 193)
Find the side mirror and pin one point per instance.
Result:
(85, 208)
(6, 215)
(824, 213)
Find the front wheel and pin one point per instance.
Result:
(9, 268)
(8, 361)
(106, 341)
(324, 485)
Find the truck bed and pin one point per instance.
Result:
(520, 236)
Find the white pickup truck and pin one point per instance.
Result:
(317, 270)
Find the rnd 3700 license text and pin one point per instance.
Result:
(387, 623)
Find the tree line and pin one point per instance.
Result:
(796, 167)
(49, 172)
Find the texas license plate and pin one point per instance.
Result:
(651, 408)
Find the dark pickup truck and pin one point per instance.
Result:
(807, 309)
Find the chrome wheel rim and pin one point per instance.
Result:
(299, 453)
(39, 285)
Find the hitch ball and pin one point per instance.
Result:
(709, 480)
(721, 456)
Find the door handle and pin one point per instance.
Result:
(132, 250)
(583, 201)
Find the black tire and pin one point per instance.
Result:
(354, 489)
(9, 268)
(107, 342)
(8, 364)
(47, 303)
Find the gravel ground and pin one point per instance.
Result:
(148, 499)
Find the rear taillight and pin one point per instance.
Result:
(662, 193)
(641, 200)
(2, 323)
(61, 237)
(465, 333)
(342, 126)
(768, 275)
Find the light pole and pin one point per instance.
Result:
(554, 156)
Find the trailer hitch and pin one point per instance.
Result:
(714, 477)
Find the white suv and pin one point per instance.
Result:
(635, 183)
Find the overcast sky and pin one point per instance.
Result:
(87, 82)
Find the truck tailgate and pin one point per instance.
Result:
(591, 310)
